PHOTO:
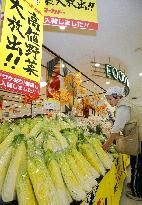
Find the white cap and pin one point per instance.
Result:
(116, 90)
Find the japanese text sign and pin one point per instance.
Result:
(21, 46)
(80, 14)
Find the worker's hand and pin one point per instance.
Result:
(107, 145)
(110, 140)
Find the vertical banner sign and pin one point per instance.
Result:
(21, 47)
(81, 14)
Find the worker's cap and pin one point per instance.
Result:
(116, 90)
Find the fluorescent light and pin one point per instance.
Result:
(62, 27)
(140, 74)
(43, 84)
(107, 82)
(97, 64)
(63, 65)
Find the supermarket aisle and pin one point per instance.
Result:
(125, 200)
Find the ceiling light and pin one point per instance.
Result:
(62, 27)
(140, 74)
(97, 64)
(107, 82)
(63, 65)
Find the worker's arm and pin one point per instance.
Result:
(122, 117)
(110, 141)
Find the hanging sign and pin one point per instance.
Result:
(21, 46)
(81, 14)
(116, 74)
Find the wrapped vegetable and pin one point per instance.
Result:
(7, 142)
(25, 193)
(89, 171)
(103, 156)
(4, 164)
(36, 129)
(92, 158)
(71, 136)
(74, 187)
(9, 186)
(5, 130)
(78, 173)
(57, 179)
(43, 186)
(61, 140)
(51, 143)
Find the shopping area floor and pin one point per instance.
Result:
(125, 200)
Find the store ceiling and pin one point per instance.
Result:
(119, 37)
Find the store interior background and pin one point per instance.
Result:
(118, 41)
(119, 37)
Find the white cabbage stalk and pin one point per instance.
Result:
(92, 158)
(25, 193)
(52, 144)
(78, 173)
(61, 140)
(9, 186)
(57, 179)
(43, 186)
(74, 187)
(39, 140)
(8, 140)
(36, 129)
(4, 164)
(70, 199)
(103, 156)
(89, 171)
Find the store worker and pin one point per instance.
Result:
(126, 112)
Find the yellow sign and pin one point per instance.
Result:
(80, 14)
(111, 186)
(3, 5)
(21, 45)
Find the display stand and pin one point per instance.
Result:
(111, 186)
